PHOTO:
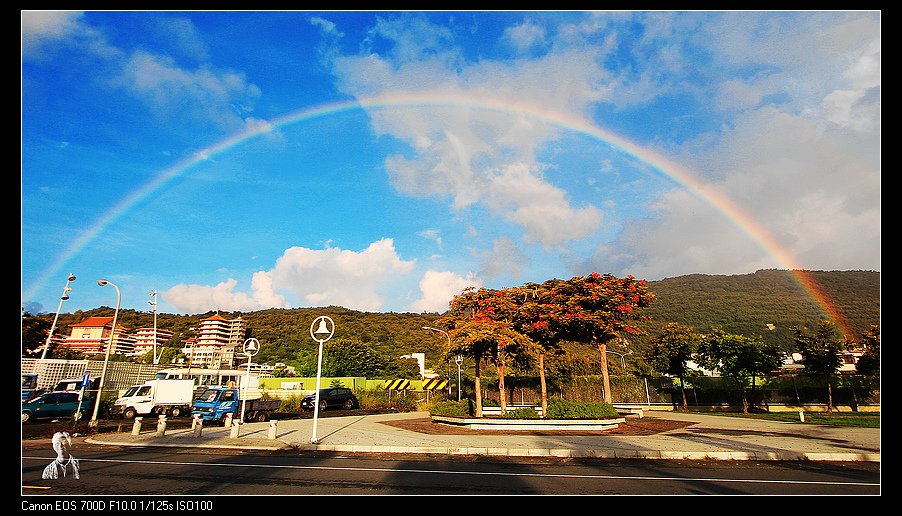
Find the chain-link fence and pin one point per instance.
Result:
(120, 375)
(701, 392)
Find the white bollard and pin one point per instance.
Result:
(227, 422)
(801, 416)
(236, 429)
(161, 425)
(136, 426)
(197, 425)
(272, 429)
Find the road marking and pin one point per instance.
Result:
(484, 473)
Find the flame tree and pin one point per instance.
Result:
(480, 327)
(597, 308)
(594, 308)
(539, 316)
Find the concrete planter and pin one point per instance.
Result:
(529, 424)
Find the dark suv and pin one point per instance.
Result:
(332, 397)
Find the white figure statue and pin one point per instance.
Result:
(58, 468)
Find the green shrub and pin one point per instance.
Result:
(383, 400)
(565, 409)
(521, 413)
(291, 404)
(451, 408)
(486, 402)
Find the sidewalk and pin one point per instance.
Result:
(704, 437)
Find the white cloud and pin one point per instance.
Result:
(46, 32)
(470, 154)
(49, 24)
(438, 288)
(521, 196)
(333, 276)
(505, 259)
(432, 234)
(813, 188)
(201, 298)
(316, 277)
(41, 29)
(201, 94)
(525, 36)
(182, 35)
(205, 94)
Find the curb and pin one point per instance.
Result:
(514, 452)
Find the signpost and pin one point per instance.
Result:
(325, 328)
(251, 348)
(85, 382)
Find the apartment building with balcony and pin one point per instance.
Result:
(217, 343)
(144, 340)
(92, 335)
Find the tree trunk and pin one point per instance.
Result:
(501, 388)
(606, 381)
(745, 403)
(829, 397)
(683, 391)
(542, 382)
(478, 387)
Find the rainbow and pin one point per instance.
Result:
(674, 171)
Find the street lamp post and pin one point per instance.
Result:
(64, 297)
(621, 355)
(153, 304)
(458, 360)
(325, 333)
(106, 359)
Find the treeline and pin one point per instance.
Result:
(739, 304)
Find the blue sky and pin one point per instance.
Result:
(176, 152)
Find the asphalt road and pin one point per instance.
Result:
(206, 476)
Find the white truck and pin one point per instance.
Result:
(171, 397)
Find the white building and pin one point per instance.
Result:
(144, 340)
(92, 335)
(218, 340)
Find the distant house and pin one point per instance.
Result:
(794, 362)
(266, 370)
(92, 335)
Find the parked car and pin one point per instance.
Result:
(56, 405)
(332, 397)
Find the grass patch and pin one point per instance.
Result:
(852, 419)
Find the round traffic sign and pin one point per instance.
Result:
(251, 346)
(322, 329)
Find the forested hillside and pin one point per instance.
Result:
(743, 304)
(747, 304)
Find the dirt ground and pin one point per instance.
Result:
(645, 426)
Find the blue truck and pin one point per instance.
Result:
(215, 403)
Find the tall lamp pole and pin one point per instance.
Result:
(153, 304)
(458, 360)
(64, 297)
(621, 355)
(106, 359)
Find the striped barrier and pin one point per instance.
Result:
(397, 385)
(435, 385)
